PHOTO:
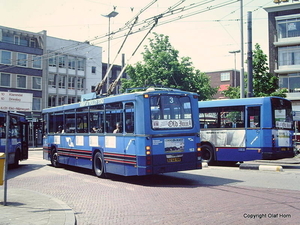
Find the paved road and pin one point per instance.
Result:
(214, 195)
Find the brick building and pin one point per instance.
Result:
(223, 79)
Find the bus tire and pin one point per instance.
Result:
(54, 158)
(207, 154)
(98, 165)
(16, 159)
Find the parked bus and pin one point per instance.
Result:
(236, 130)
(17, 137)
(145, 132)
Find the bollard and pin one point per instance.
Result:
(2, 163)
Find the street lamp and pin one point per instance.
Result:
(234, 52)
(110, 15)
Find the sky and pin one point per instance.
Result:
(206, 37)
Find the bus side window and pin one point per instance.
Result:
(253, 117)
(2, 127)
(69, 121)
(129, 117)
(209, 119)
(233, 116)
(114, 115)
(82, 120)
(96, 119)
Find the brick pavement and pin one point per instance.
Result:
(178, 198)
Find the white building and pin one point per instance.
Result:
(284, 50)
(72, 69)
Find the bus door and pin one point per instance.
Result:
(24, 140)
(253, 131)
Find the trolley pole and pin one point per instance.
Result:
(249, 58)
(242, 87)
(6, 158)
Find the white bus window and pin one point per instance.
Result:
(129, 118)
(97, 119)
(253, 117)
(114, 117)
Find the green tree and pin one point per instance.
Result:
(232, 92)
(264, 83)
(161, 66)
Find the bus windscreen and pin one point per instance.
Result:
(170, 111)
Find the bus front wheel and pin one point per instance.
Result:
(98, 165)
(207, 154)
(54, 158)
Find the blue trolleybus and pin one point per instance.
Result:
(236, 130)
(149, 131)
(17, 137)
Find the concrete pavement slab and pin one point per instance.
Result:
(28, 207)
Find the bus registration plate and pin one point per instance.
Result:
(173, 160)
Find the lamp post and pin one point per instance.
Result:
(234, 52)
(110, 15)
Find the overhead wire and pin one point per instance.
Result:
(172, 13)
(113, 85)
(133, 21)
(160, 16)
(66, 49)
(146, 24)
(169, 12)
(238, 19)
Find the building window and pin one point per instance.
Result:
(61, 61)
(51, 100)
(61, 100)
(21, 81)
(5, 57)
(80, 84)
(32, 43)
(6, 37)
(72, 63)
(288, 28)
(22, 59)
(37, 62)
(93, 69)
(71, 83)
(289, 55)
(225, 76)
(80, 64)
(62, 81)
(37, 83)
(52, 80)
(5, 79)
(23, 41)
(36, 104)
(71, 100)
(290, 82)
(17, 40)
(52, 61)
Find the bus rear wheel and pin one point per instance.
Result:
(17, 159)
(207, 154)
(98, 165)
(54, 158)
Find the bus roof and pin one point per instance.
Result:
(114, 98)
(11, 113)
(235, 102)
